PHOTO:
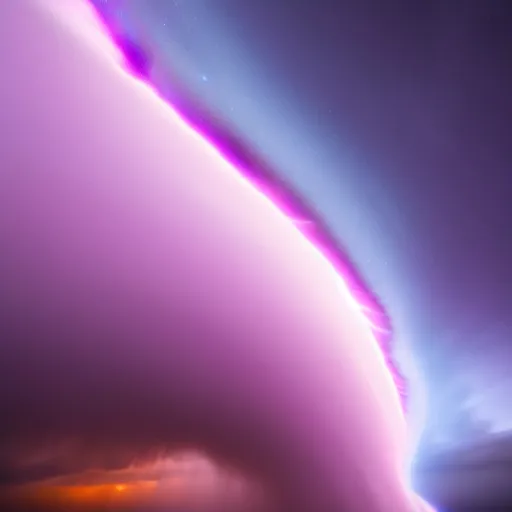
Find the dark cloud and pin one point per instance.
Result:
(152, 301)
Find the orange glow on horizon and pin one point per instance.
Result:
(51, 495)
(134, 491)
(190, 480)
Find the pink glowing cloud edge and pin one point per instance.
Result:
(283, 199)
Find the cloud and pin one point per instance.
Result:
(153, 302)
(184, 481)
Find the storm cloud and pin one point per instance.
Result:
(153, 303)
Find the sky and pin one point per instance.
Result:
(393, 124)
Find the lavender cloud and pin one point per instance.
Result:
(152, 300)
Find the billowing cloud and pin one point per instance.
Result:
(153, 303)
